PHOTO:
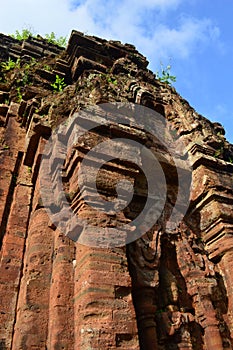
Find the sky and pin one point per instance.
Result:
(193, 36)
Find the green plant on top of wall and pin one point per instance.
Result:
(164, 75)
(25, 33)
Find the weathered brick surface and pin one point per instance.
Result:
(103, 299)
(61, 305)
(12, 254)
(31, 327)
(170, 289)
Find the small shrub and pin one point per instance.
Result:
(25, 73)
(165, 76)
(47, 67)
(19, 94)
(23, 35)
(59, 84)
(60, 41)
(219, 152)
(10, 64)
(112, 81)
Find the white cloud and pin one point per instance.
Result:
(144, 24)
(181, 40)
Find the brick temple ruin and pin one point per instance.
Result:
(169, 289)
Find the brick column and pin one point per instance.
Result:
(104, 314)
(61, 311)
(31, 326)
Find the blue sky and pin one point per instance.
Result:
(194, 36)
